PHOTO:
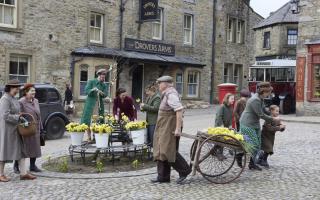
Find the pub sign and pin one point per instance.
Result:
(148, 10)
(149, 47)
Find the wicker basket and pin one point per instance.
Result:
(27, 131)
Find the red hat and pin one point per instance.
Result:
(27, 86)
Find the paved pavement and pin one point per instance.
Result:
(294, 174)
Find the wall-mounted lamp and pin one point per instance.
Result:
(295, 6)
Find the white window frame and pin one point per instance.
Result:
(181, 83)
(267, 45)
(160, 24)
(14, 15)
(95, 28)
(289, 36)
(83, 68)
(240, 31)
(197, 84)
(230, 29)
(188, 30)
(28, 67)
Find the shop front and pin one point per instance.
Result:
(135, 67)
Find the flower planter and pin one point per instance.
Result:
(102, 140)
(76, 138)
(138, 136)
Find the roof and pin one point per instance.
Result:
(114, 53)
(275, 63)
(281, 16)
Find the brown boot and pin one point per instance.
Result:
(27, 177)
(3, 178)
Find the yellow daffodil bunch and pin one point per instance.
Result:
(225, 131)
(110, 120)
(124, 118)
(138, 100)
(101, 128)
(137, 125)
(76, 127)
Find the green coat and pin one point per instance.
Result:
(224, 116)
(92, 99)
(152, 107)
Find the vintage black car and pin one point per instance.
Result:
(54, 118)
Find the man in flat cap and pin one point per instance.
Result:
(167, 133)
(96, 91)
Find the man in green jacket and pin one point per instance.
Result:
(151, 107)
(96, 91)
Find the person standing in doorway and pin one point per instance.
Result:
(96, 92)
(68, 100)
(167, 132)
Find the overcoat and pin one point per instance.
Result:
(92, 99)
(11, 144)
(268, 136)
(152, 108)
(32, 147)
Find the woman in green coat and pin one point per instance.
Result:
(96, 91)
(151, 107)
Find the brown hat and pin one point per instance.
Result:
(245, 93)
(27, 86)
(101, 71)
(14, 82)
(264, 85)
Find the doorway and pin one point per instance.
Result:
(137, 82)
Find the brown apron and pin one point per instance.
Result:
(164, 141)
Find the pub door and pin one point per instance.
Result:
(137, 82)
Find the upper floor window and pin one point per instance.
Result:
(19, 68)
(266, 40)
(96, 28)
(235, 31)
(157, 27)
(8, 13)
(188, 29)
(292, 36)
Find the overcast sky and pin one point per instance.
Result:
(264, 7)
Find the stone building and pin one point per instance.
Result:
(275, 54)
(199, 43)
(308, 58)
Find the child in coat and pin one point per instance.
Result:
(268, 136)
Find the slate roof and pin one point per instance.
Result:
(282, 15)
(114, 53)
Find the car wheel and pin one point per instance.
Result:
(55, 128)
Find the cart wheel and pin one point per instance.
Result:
(216, 163)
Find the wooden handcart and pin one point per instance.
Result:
(214, 157)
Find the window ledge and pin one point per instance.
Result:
(191, 98)
(314, 100)
(269, 48)
(96, 44)
(188, 45)
(190, 2)
(15, 30)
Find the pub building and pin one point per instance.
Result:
(135, 67)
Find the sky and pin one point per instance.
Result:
(264, 7)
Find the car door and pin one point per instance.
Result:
(54, 101)
(41, 95)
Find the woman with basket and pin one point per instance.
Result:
(11, 144)
(29, 106)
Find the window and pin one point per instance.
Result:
(41, 95)
(53, 95)
(157, 27)
(179, 83)
(237, 74)
(316, 81)
(19, 68)
(292, 36)
(8, 13)
(193, 84)
(230, 34)
(266, 40)
(83, 79)
(107, 78)
(228, 73)
(240, 32)
(188, 29)
(96, 28)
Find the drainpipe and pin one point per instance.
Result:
(213, 58)
(122, 8)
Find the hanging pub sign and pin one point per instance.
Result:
(148, 10)
(149, 47)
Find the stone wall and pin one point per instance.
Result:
(309, 29)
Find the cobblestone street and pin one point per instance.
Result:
(294, 174)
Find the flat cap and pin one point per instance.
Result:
(168, 79)
(264, 85)
(101, 71)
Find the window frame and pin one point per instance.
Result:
(267, 40)
(159, 23)
(14, 14)
(197, 84)
(292, 35)
(82, 68)
(19, 56)
(95, 27)
(240, 31)
(182, 82)
(185, 29)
